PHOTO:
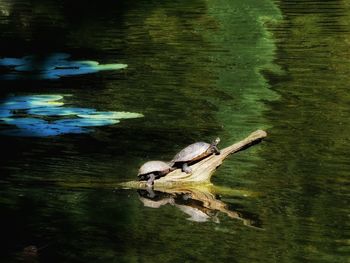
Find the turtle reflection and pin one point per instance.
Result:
(199, 205)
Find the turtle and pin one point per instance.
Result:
(193, 153)
(152, 170)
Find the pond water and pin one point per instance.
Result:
(190, 71)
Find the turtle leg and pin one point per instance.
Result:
(216, 150)
(150, 181)
(186, 169)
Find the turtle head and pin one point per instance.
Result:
(215, 142)
(213, 148)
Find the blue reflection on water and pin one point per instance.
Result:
(5, 113)
(33, 127)
(60, 111)
(30, 122)
(85, 122)
(31, 102)
(52, 67)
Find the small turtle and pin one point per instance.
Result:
(193, 153)
(153, 170)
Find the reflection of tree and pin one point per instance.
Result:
(311, 124)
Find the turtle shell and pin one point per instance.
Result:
(192, 152)
(153, 166)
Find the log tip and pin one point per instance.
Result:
(259, 134)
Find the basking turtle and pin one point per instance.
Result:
(193, 153)
(153, 170)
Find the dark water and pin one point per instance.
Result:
(196, 70)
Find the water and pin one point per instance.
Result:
(196, 70)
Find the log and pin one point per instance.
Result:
(201, 171)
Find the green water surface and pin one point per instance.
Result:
(195, 70)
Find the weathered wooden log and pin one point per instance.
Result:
(201, 171)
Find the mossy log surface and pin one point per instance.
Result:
(201, 171)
